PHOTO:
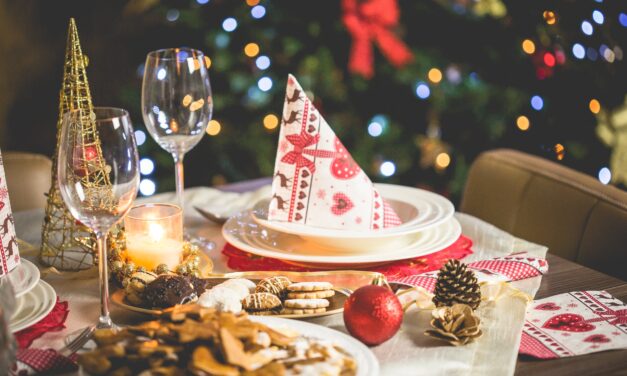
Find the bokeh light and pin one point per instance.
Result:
(594, 106)
(222, 40)
(229, 24)
(375, 129)
(586, 28)
(592, 54)
(443, 160)
(251, 49)
(270, 121)
(522, 122)
(528, 46)
(213, 128)
(262, 62)
(579, 51)
(537, 102)
(202, 2)
(387, 168)
(605, 175)
(252, 3)
(172, 15)
(559, 151)
(161, 73)
(435, 75)
(258, 11)
(422, 90)
(140, 137)
(598, 17)
(264, 83)
(147, 187)
(622, 18)
(146, 166)
(549, 17)
(549, 59)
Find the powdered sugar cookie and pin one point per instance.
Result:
(310, 294)
(306, 303)
(310, 286)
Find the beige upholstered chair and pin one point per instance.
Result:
(573, 214)
(28, 179)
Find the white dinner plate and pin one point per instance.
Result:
(33, 306)
(24, 277)
(418, 209)
(244, 233)
(367, 363)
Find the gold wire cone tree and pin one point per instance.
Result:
(66, 243)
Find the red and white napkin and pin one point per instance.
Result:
(574, 323)
(9, 254)
(498, 269)
(316, 181)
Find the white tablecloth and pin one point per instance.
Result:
(409, 352)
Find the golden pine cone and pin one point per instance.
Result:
(457, 325)
(456, 284)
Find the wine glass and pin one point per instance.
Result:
(98, 177)
(176, 102)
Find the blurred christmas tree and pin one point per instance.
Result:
(480, 74)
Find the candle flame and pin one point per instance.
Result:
(155, 232)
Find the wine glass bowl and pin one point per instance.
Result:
(176, 102)
(98, 176)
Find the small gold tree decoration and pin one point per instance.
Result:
(66, 243)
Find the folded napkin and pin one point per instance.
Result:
(53, 322)
(574, 323)
(499, 269)
(316, 181)
(42, 362)
(244, 261)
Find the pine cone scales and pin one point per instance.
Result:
(455, 284)
(457, 325)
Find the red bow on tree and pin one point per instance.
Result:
(371, 21)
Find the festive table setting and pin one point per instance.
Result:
(315, 270)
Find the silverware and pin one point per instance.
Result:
(213, 217)
(78, 342)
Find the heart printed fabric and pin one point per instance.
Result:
(316, 181)
(498, 269)
(575, 323)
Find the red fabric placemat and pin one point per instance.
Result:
(244, 261)
(53, 322)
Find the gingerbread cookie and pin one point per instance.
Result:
(261, 301)
(310, 286)
(311, 294)
(302, 311)
(273, 285)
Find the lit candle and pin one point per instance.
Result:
(154, 235)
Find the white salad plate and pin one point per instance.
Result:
(24, 277)
(244, 233)
(33, 306)
(418, 209)
(367, 363)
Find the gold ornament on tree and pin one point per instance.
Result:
(66, 243)
(455, 285)
(612, 130)
(457, 325)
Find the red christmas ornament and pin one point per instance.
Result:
(373, 314)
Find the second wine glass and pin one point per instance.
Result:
(176, 102)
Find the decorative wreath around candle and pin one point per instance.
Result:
(122, 267)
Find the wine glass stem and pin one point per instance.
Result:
(104, 321)
(178, 169)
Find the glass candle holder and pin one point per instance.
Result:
(154, 235)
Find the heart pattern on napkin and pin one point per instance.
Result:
(576, 323)
(341, 204)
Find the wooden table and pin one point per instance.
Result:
(565, 276)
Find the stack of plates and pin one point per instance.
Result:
(428, 226)
(34, 297)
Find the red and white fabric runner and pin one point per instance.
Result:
(316, 181)
(574, 323)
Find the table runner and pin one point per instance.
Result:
(408, 353)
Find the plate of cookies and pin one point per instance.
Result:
(192, 340)
(277, 296)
